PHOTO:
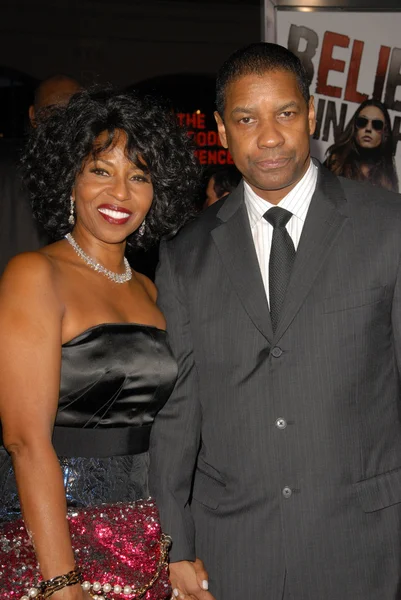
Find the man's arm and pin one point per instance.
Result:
(176, 432)
(175, 440)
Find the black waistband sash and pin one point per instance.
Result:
(100, 443)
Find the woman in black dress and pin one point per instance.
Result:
(84, 360)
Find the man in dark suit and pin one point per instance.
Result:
(277, 459)
(19, 232)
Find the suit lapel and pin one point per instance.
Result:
(234, 242)
(323, 224)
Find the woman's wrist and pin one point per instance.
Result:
(73, 592)
(47, 588)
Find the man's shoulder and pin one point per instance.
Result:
(368, 195)
(198, 228)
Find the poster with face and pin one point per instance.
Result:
(353, 61)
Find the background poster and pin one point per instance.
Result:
(350, 56)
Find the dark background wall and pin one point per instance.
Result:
(122, 42)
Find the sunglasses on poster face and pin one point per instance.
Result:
(377, 124)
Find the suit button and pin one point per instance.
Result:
(287, 492)
(281, 423)
(276, 352)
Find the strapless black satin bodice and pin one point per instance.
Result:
(115, 377)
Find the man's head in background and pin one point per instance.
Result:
(53, 91)
(221, 182)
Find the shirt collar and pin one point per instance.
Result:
(296, 201)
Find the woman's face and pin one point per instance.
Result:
(112, 195)
(369, 127)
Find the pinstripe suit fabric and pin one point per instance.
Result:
(220, 460)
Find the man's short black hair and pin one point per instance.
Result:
(258, 59)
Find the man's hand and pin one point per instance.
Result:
(189, 580)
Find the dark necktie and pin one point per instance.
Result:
(282, 256)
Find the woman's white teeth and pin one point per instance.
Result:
(114, 214)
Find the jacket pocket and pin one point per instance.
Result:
(207, 490)
(381, 491)
(354, 300)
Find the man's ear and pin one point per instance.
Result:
(221, 129)
(312, 116)
(31, 113)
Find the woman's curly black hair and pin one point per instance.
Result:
(56, 152)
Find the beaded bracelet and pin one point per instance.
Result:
(51, 586)
(97, 590)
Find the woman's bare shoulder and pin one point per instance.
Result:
(28, 266)
(40, 265)
(30, 277)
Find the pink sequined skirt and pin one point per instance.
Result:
(119, 547)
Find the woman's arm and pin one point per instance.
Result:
(30, 359)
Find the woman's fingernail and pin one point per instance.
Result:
(205, 584)
(176, 592)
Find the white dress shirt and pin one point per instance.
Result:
(297, 201)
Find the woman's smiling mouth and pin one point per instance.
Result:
(113, 214)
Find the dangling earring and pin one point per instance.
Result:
(71, 218)
(141, 229)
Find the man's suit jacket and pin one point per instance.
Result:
(279, 455)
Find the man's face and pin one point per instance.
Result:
(57, 93)
(266, 128)
(52, 93)
(369, 127)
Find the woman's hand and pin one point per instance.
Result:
(189, 580)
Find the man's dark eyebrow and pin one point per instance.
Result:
(249, 110)
(292, 104)
(242, 110)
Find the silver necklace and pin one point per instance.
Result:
(116, 277)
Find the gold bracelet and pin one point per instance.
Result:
(51, 586)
